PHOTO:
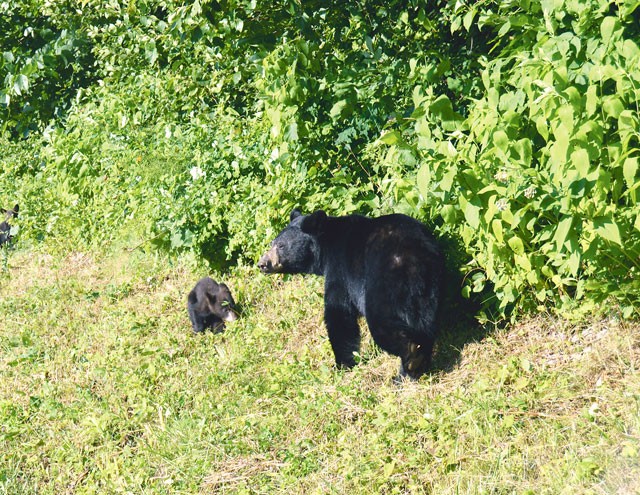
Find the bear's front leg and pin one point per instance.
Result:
(197, 322)
(344, 333)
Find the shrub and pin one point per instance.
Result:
(540, 178)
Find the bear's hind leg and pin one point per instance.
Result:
(197, 322)
(397, 339)
(344, 334)
(417, 360)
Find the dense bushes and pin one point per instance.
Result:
(540, 179)
(512, 127)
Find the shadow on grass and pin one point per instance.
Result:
(458, 328)
(458, 319)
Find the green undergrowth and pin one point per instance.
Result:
(104, 389)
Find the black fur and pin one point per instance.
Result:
(388, 269)
(5, 228)
(209, 305)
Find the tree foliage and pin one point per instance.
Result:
(511, 127)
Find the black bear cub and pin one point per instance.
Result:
(210, 304)
(5, 228)
(388, 269)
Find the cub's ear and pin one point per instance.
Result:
(314, 223)
(295, 213)
(11, 213)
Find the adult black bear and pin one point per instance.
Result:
(388, 269)
(5, 228)
(209, 305)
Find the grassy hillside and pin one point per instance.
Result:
(105, 390)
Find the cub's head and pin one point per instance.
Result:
(224, 307)
(9, 214)
(6, 231)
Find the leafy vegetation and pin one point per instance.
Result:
(511, 127)
(146, 140)
(105, 390)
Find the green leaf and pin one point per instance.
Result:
(628, 121)
(337, 109)
(504, 29)
(471, 212)
(21, 84)
(562, 231)
(521, 383)
(630, 50)
(291, 132)
(423, 180)
(468, 19)
(565, 113)
(522, 260)
(580, 161)
(449, 214)
(151, 52)
(629, 170)
(442, 108)
(612, 106)
(573, 263)
(559, 149)
(592, 100)
(496, 226)
(523, 147)
(516, 245)
(608, 27)
(392, 137)
(176, 240)
(448, 178)
(501, 140)
(466, 292)
(606, 228)
(542, 128)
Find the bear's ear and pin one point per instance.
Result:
(295, 213)
(314, 223)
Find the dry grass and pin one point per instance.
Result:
(105, 390)
(228, 473)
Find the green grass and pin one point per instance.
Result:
(104, 389)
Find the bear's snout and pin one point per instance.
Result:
(231, 316)
(269, 262)
(264, 264)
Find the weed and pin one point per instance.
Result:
(106, 390)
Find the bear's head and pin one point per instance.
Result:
(222, 304)
(9, 214)
(294, 250)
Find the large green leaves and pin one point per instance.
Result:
(544, 169)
